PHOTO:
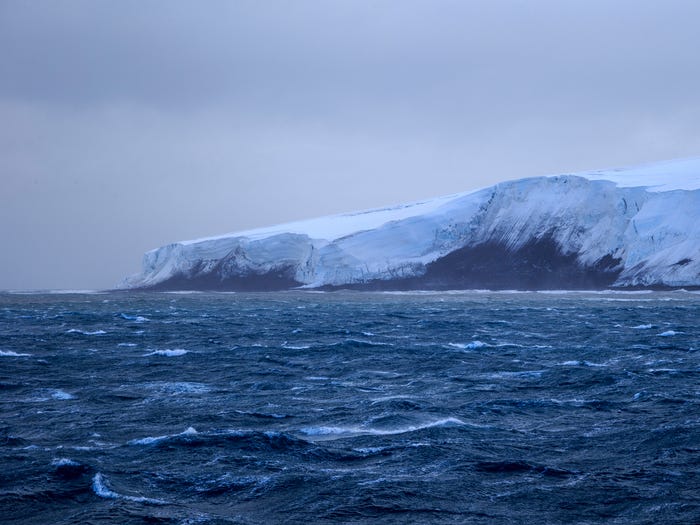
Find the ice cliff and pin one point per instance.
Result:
(619, 228)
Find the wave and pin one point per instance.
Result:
(228, 482)
(595, 292)
(10, 353)
(295, 347)
(85, 332)
(175, 352)
(596, 365)
(250, 440)
(520, 467)
(262, 415)
(54, 292)
(325, 432)
(669, 333)
(68, 468)
(519, 374)
(360, 343)
(190, 431)
(469, 346)
(651, 300)
(179, 387)
(62, 395)
(451, 292)
(100, 488)
(60, 462)
(135, 318)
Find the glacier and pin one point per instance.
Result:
(624, 228)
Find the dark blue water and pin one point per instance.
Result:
(350, 408)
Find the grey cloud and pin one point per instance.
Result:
(126, 125)
(301, 56)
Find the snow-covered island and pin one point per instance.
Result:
(628, 228)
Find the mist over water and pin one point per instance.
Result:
(350, 408)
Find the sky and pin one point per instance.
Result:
(128, 125)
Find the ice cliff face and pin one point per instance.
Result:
(637, 227)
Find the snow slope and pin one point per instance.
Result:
(638, 226)
(679, 174)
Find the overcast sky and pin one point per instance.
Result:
(126, 125)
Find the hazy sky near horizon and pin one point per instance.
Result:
(128, 125)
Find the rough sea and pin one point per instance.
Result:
(350, 408)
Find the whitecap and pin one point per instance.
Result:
(135, 318)
(150, 440)
(127, 345)
(668, 333)
(509, 345)
(269, 415)
(468, 346)
(295, 347)
(335, 431)
(10, 353)
(54, 292)
(391, 398)
(78, 291)
(169, 352)
(100, 488)
(369, 450)
(361, 342)
(595, 365)
(332, 432)
(507, 375)
(180, 387)
(60, 394)
(642, 327)
(85, 332)
(64, 462)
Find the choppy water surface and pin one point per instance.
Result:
(350, 408)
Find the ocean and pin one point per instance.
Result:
(350, 407)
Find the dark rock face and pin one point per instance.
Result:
(538, 265)
(273, 281)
